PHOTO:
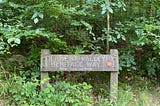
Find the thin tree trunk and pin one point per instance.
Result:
(108, 27)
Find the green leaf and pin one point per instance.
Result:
(75, 23)
(89, 27)
(36, 20)
(34, 15)
(118, 36)
(10, 40)
(104, 9)
(17, 40)
(123, 38)
(148, 27)
(40, 15)
(110, 9)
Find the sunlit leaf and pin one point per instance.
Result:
(10, 40)
(40, 15)
(17, 40)
(36, 20)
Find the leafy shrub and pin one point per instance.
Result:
(127, 61)
(61, 93)
(147, 38)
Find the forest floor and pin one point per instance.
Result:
(140, 91)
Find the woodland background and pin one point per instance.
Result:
(79, 27)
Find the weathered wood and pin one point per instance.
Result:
(82, 63)
(44, 74)
(114, 76)
(113, 85)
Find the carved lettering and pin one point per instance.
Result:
(81, 63)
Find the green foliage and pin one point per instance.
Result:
(108, 6)
(24, 93)
(75, 27)
(141, 35)
(17, 91)
(5, 82)
(152, 66)
(127, 62)
(147, 37)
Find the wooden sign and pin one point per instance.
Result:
(109, 62)
(80, 63)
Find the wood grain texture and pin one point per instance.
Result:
(44, 75)
(80, 62)
(114, 85)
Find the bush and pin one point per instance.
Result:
(24, 93)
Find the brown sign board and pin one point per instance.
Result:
(108, 62)
(80, 62)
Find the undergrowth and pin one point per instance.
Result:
(17, 91)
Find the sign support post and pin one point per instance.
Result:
(44, 74)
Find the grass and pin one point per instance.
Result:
(139, 91)
(131, 97)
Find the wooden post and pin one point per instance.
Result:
(114, 77)
(44, 74)
(113, 85)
